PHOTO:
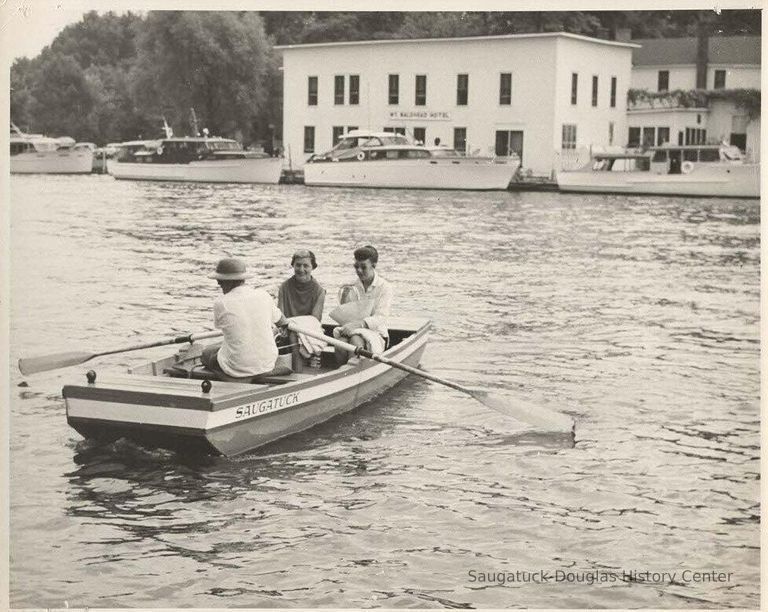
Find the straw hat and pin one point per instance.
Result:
(230, 269)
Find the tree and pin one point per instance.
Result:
(62, 98)
(214, 62)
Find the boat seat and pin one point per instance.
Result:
(277, 376)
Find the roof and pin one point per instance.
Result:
(722, 50)
(390, 41)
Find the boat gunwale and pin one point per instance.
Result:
(258, 392)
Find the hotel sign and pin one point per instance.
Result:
(420, 115)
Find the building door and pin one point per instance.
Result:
(509, 141)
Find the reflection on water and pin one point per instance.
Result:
(637, 316)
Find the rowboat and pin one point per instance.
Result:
(177, 403)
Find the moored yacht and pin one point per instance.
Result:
(200, 159)
(384, 159)
(691, 170)
(38, 154)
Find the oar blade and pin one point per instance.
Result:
(535, 416)
(33, 365)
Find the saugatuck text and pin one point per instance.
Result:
(596, 576)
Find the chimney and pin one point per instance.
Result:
(623, 34)
(702, 54)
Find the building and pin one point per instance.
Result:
(540, 95)
(686, 91)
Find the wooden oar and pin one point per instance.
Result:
(543, 418)
(32, 365)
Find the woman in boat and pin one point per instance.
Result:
(302, 296)
(363, 317)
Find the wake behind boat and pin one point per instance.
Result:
(693, 170)
(383, 159)
(177, 403)
(38, 154)
(198, 159)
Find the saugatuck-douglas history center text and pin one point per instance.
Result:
(589, 577)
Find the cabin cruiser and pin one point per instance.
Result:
(691, 170)
(201, 159)
(38, 154)
(385, 159)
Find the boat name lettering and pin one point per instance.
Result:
(269, 405)
(422, 115)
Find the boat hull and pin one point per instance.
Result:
(231, 418)
(247, 170)
(732, 181)
(52, 162)
(449, 173)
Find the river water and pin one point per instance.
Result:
(638, 316)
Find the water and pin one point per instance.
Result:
(638, 316)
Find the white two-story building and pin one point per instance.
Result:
(540, 95)
(718, 64)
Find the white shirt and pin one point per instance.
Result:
(379, 293)
(246, 315)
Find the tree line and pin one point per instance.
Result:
(115, 77)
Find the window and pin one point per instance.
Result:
(663, 80)
(338, 89)
(394, 89)
(505, 88)
(649, 136)
(421, 90)
(574, 88)
(420, 134)
(569, 136)
(460, 139)
(594, 90)
(395, 130)
(662, 135)
(312, 91)
(351, 127)
(309, 139)
(695, 136)
(633, 140)
(738, 136)
(509, 142)
(462, 89)
(354, 89)
(719, 79)
(709, 155)
(611, 128)
(613, 92)
(338, 131)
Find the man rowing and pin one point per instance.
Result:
(245, 316)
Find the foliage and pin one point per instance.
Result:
(214, 62)
(747, 99)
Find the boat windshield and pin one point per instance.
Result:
(353, 142)
(226, 145)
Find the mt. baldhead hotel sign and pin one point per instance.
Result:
(419, 115)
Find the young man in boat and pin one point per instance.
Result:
(363, 317)
(245, 316)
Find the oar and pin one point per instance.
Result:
(32, 365)
(543, 418)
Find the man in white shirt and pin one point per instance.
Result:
(245, 316)
(370, 330)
